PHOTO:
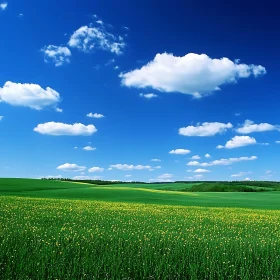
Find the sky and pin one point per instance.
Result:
(140, 90)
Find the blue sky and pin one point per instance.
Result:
(139, 90)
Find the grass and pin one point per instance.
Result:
(70, 239)
(64, 230)
(142, 193)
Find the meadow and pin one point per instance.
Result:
(47, 233)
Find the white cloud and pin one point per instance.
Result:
(59, 110)
(157, 167)
(57, 129)
(1, 117)
(240, 174)
(195, 157)
(89, 38)
(207, 156)
(71, 167)
(155, 160)
(56, 54)
(206, 129)
(95, 115)
(200, 170)
(165, 176)
(238, 141)
(130, 167)
(148, 95)
(128, 176)
(250, 126)
(3, 6)
(96, 169)
(222, 161)
(247, 179)
(28, 95)
(198, 176)
(88, 148)
(180, 152)
(194, 74)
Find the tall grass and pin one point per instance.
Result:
(61, 239)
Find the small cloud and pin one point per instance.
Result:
(100, 22)
(237, 114)
(28, 95)
(59, 110)
(130, 167)
(3, 6)
(56, 54)
(195, 157)
(59, 129)
(277, 142)
(95, 115)
(207, 156)
(20, 15)
(180, 152)
(148, 95)
(1, 117)
(128, 176)
(205, 129)
(238, 141)
(155, 160)
(200, 170)
(95, 169)
(71, 167)
(250, 126)
(116, 67)
(89, 148)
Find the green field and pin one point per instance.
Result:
(66, 230)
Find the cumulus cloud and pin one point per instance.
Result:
(130, 167)
(3, 6)
(57, 129)
(95, 115)
(238, 141)
(56, 54)
(89, 148)
(222, 161)
(207, 156)
(28, 95)
(205, 129)
(89, 38)
(250, 126)
(165, 176)
(59, 110)
(96, 169)
(200, 170)
(71, 167)
(180, 152)
(195, 157)
(194, 74)
(148, 95)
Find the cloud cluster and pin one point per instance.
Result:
(28, 95)
(205, 129)
(56, 54)
(58, 129)
(194, 74)
(238, 141)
